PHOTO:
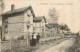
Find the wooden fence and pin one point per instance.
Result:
(6, 45)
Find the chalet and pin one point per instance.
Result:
(17, 23)
(39, 25)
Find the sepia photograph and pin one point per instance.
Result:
(39, 25)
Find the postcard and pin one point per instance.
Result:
(40, 25)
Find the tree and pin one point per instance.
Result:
(2, 6)
(65, 27)
(53, 14)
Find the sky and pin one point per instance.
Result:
(68, 10)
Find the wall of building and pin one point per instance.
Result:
(54, 31)
(15, 26)
(28, 23)
(43, 28)
(47, 33)
(40, 27)
(4, 24)
(37, 26)
(50, 32)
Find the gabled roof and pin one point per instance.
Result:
(19, 10)
(46, 28)
(49, 25)
(52, 25)
(38, 19)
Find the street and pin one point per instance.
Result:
(62, 47)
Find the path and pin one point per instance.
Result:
(62, 47)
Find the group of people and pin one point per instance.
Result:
(35, 39)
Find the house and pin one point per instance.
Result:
(39, 25)
(51, 29)
(47, 31)
(17, 23)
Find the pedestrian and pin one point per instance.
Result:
(35, 34)
(38, 38)
(33, 41)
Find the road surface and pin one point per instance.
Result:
(62, 47)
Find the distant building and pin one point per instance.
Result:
(47, 31)
(17, 22)
(39, 25)
(51, 29)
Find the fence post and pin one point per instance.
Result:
(27, 41)
(77, 42)
(10, 41)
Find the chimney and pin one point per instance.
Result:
(12, 8)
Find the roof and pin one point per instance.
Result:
(46, 28)
(19, 10)
(38, 19)
(51, 25)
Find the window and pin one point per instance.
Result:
(28, 27)
(28, 15)
(6, 19)
(6, 28)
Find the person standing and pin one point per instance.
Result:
(38, 38)
(35, 34)
(33, 40)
